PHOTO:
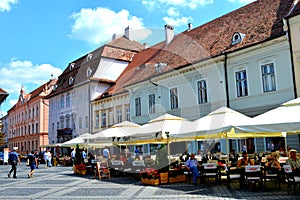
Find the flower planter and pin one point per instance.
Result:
(164, 178)
(146, 181)
(79, 171)
(178, 178)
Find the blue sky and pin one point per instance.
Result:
(40, 37)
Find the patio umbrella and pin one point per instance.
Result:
(159, 129)
(279, 121)
(284, 118)
(82, 141)
(219, 124)
(123, 129)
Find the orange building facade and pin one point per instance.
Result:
(28, 119)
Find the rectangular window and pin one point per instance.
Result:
(241, 83)
(62, 101)
(119, 116)
(86, 122)
(138, 108)
(52, 129)
(37, 128)
(202, 91)
(111, 119)
(151, 99)
(97, 120)
(80, 123)
(73, 123)
(103, 119)
(174, 98)
(127, 114)
(268, 77)
(68, 100)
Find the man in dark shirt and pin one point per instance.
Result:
(13, 159)
(32, 163)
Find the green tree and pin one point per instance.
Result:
(162, 161)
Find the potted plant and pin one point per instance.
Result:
(150, 176)
(79, 166)
(162, 164)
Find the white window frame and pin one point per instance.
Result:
(151, 103)
(174, 98)
(269, 80)
(80, 122)
(127, 113)
(97, 118)
(119, 115)
(68, 100)
(62, 101)
(243, 93)
(103, 119)
(138, 106)
(200, 91)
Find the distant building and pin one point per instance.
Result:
(84, 80)
(28, 119)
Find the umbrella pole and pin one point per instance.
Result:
(227, 147)
(284, 134)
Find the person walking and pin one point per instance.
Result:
(106, 153)
(47, 158)
(13, 159)
(32, 163)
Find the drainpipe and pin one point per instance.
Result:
(292, 59)
(226, 80)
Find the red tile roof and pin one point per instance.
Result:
(260, 21)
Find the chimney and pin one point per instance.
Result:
(114, 37)
(127, 33)
(190, 26)
(145, 45)
(169, 33)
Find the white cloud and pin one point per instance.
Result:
(241, 1)
(18, 73)
(192, 4)
(173, 12)
(98, 25)
(5, 5)
(176, 21)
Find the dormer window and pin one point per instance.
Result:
(72, 65)
(237, 38)
(71, 80)
(55, 87)
(89, 57)
(89, 72)
(159, 66)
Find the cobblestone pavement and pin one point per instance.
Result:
(61, 183)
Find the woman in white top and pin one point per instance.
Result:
(47, 157)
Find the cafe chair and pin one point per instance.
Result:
(102, 170)
(210, 170)
(137, 166)
(232, 174)
(290, 178)
(253, 176)
(271, 174)
(116, 167)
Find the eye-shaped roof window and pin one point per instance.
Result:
(237, 38)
